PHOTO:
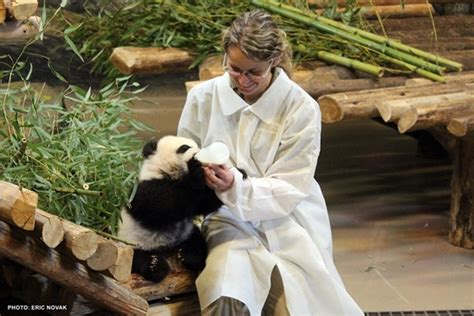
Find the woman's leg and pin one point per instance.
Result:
(275, 305)
(226, 306)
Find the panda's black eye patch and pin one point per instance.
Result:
(182, 149)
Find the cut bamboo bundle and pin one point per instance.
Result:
(69, 273)
(426, 116)
(314, 21)
(391, 110)
(18, 205)
(371, 40)
(50, 228)
(460, 126)
(335, 107)
(150, 60)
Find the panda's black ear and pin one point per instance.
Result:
(149, 148)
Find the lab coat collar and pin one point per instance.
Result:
(266, 107)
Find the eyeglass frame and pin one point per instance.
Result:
(235, 73)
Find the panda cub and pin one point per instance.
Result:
(159, 221)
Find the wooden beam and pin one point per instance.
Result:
(21, 9)
(461, 223)
(150, 60)
(335, 107)
(72, 275)
(79, 241)
(460, 126)
(18, 205)
(392, 110)
(422, 117)
(50, 228)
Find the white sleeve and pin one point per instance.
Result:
(287, 182)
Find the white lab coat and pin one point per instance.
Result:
(278, 215)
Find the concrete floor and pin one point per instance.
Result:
(389, 209)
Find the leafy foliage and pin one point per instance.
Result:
(77, 151)
(193, 25)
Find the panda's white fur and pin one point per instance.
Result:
(164, 162)
(146, 239)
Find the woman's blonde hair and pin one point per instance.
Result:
(258, 36)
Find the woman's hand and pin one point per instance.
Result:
(218, 177)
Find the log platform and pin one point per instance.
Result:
(445, 110)
(52, 262)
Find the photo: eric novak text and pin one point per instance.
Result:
(36, 307)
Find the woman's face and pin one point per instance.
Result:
(251, 77)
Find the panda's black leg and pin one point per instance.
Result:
(193, 251)
(150, 264)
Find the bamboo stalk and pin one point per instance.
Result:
(416, 61)
(351, 63)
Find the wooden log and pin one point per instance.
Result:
(393, 11)
(460, 126)
(445, 25)
(18, 33)
(3, 12)
(211, 67)
(178, 281)
(391, 110)
(121, 270)
(21, 9)
(104, 257)
(437, 114)
(18, 205)
(150, 60)
(69, 273)
(50, 228)
(463, 77)
(79, 241)
(317, 87)
(343, 3)
(335, 107)
(461, 221)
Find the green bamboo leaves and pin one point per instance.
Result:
(415, 60)
(77, 149)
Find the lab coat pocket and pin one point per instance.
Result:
(264, 145)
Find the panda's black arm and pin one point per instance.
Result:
(166, 200)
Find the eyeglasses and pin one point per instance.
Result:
(256, 77)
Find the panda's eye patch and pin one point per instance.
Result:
(182, 149)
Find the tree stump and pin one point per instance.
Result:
(462, 193)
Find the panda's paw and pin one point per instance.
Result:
(191, 260)
(196, 172)
(158, 268)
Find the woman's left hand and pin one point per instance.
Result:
(218, 177)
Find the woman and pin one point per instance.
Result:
(270, 247)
